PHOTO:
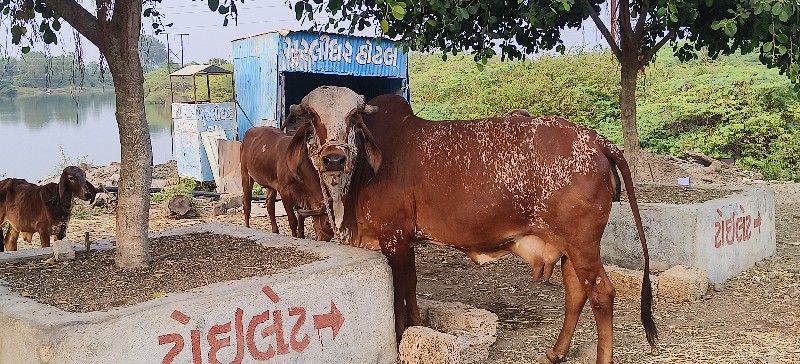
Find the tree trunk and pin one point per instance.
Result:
(115, 31)
(133, 206)
(627, 105)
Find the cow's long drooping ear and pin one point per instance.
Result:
(297, 152)
(63, 186)
(373, 152)
(92, 191)
(295, 111)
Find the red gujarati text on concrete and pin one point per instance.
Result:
(245, 333)
(735, 228)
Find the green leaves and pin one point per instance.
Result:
(384, 26)
(398, 8)
(730, 29)
(213, 4)
(17, 31)
(298, 9)
(728, 26)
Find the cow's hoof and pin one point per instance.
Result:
(550, 357)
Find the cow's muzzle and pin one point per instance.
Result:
(333, 161)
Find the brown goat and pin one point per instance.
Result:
(30, 208)
(263, 160)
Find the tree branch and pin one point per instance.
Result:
(79, 18)
(652, 52)
(646, 9)
(603, 30)
(625, 19)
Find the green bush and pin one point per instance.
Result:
(183, 187)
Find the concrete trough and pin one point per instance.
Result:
(336, 310)
(723, 236)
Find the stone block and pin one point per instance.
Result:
(230, 200)
(424, 345)
(681, 284)
(63, 250)
(628, 282)
(454, 333)
(453, 316)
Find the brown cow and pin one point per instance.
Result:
(30, 208)
(540, 188)
(263, 160)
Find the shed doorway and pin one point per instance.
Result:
(296, 85)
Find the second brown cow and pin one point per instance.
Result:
(263, 160)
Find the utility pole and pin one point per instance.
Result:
(169, 64)
(170, 53)
(182, 34)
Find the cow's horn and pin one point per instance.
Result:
(370, 109)
(296, 110)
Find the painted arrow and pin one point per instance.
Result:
(334, 320)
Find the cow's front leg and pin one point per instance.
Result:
(271, 198)
(288, 206)
(10, 241)
(397, 248)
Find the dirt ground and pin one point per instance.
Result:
(752, 318)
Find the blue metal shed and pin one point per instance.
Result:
(277, 69)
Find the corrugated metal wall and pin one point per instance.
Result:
(255, 71)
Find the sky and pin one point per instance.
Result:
(206, 37)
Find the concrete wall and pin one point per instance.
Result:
(723, 236)
(298, 304)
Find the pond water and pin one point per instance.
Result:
(37, 133)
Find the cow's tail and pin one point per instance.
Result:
(615, 156)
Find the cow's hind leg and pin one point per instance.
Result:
(573, 306)
(600, 292)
